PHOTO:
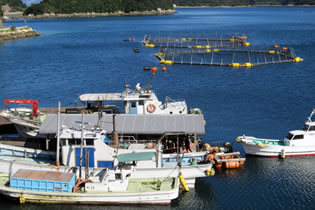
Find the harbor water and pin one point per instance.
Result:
(88, 55)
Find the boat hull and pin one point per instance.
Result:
(27, 196)
(277, 151)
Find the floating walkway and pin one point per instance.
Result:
(228, 57)
(189, 42)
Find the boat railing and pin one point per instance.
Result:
(265, 141)
(25, 116)
(177, 103)
(309, 119)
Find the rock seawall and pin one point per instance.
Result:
(93, 14)
(17, 33)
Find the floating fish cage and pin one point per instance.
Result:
(227, 57)
(200, 42)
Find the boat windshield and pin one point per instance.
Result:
(309, 128)
(290, 136)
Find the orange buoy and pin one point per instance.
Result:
(218, 165)
(164, 68)
(284, 48)
(231, 164)
(244, 37)
(241, 163)
(133, 39)
(129, 39)
(154, 69)
(275, 46)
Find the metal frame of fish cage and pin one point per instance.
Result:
(206, 42)
(236, 58)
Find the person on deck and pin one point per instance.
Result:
(187, 145)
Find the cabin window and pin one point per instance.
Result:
(63, 142)
(89, 142)
(144, 96)
(298, 137)
(141, 103)
(74, 141)
(133, 104)
(71, 141)
(118, 176)
(290, 136)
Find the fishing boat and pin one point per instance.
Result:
(111, 187)
(26, 120)
(297, 143)
(141, 105)
(99, 152)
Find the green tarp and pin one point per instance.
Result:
(135, 156)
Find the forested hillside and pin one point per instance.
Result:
(97, 6)
(16, 5)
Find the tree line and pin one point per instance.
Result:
(16, 5)
(97, 6)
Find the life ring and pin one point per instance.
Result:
(151, 108)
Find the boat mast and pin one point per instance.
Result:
(81, 144)
(58, 135)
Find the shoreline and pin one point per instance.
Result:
(19, 32)
(249, 6)
(93, 14)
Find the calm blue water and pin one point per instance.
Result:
(87, 55)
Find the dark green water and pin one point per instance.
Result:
(85, 55)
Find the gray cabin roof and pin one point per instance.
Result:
(101, 97)
(130, 123)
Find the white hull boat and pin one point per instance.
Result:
(297, 143)
(113, 187)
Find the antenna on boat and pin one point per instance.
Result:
(126, 87)
(147, 88)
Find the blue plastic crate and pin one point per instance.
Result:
(45, 181)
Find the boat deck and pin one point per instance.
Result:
(134, 186)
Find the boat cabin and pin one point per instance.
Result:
(139, 101)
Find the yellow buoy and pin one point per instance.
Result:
(216, 50)
(207, 46)
(246, 44)
(183, 39)
(271, 52)
(235, 65)
(212, 172)
(22, 198)
(207, 50)
(183, 182)
(162, 61)
(189, 39)
(208, 172)
(168, 62)
(232, 40)
(198, 46)
(297, 59)
(247, 65)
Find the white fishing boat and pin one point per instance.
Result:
(100, 152)
(297, 143)
(26, 120)
(111, 187)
